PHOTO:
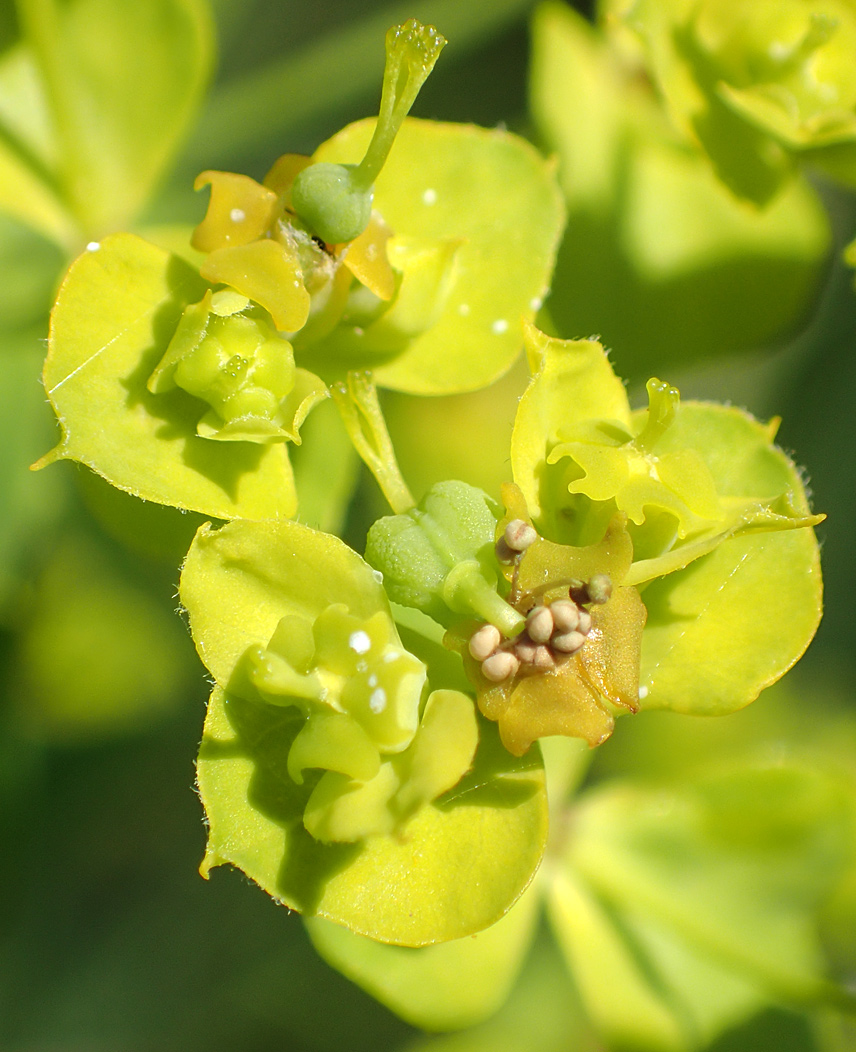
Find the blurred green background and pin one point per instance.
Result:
(108, 937)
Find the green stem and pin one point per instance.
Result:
(466, 591)
(358, 405)
(411, 51)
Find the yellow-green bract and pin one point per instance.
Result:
(760, 85)
(255, 590)
(718, 517)
(475, 216)
(659, 256)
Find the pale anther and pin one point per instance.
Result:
(568, 642)
(484, 641)
(519, 535)
(565, 614)
(539, 624)
(524, 649)
(599, 588)
(543, 658)
(499, 666)
(584, 626)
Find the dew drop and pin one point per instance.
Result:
(93, 246)
(463, 309)
(372, 680)
(377, 701)
(378, 576)
(237, 215)
(499, 326)
(643, 693)
(359, 641)
(429, 197)
(536, 303)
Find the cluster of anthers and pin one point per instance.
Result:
(553, 631)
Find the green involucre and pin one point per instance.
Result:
(720, 522)
(759, 85)
(115, 316)
(296, 629)
(243, 369)
(659, 256)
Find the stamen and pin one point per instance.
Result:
(484, 641)
(519, 535)
(539, 624)
(566, 615)
(500, 666)
(568, 642)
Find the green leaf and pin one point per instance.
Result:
(543, 1014)
(617, 993)
(708, 646)
(28, 190)
(84, 670)
(31, 503)
(493, 194)
(699, 904)
(115, 315)
(443, 987)
(122, 83)
(659, 257)
(29, 265)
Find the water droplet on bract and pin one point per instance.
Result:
(359, 642)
